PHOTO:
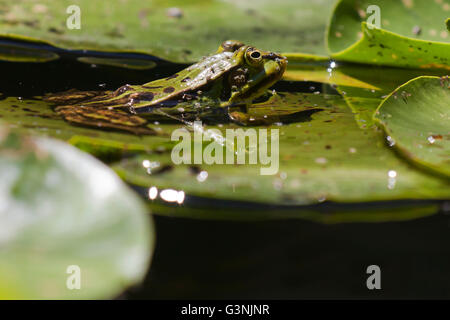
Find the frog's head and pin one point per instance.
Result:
(255, 70)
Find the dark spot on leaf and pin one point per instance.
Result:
(54, 30)
(195, 170)
(163, 169)
(258, 30)
(29, 110)
(31, 23)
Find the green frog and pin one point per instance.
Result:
(230, 79)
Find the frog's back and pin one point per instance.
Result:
(168, 91)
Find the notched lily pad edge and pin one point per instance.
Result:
(338, 55)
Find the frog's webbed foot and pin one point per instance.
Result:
(74, 96)
(104, 119)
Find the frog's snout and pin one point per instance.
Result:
(273, 56)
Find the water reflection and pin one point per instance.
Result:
(392, 179)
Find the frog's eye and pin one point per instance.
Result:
(253, 57)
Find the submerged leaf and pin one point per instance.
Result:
(138, 64)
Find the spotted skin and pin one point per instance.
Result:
(235, 75)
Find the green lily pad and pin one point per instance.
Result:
(18, 52)
(320, 74)
(65, 214)
(323, 156)
(412, 33)
(36, 117)
(377, 83)
(176, 30)
(328, 214)
(416, 117)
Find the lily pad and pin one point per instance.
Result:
(416, 119)
(176, 30)
(322, 157)
(377, 83)
(65, 214)
(36, 117)
(18, 52)
(322, 213)
(411, 34)
(321, 74)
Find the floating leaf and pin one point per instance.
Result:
(323, 156)
(36, 117)
(416, 117)
(63, 212)
(201, 208)
(363, 100)
(408, 38)
(18, 52)
(321, 74)
(176, 30)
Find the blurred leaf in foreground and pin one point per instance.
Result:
(63, 214)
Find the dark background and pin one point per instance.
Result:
(295, 259)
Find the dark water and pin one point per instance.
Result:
(272, 259)
(297, 259)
